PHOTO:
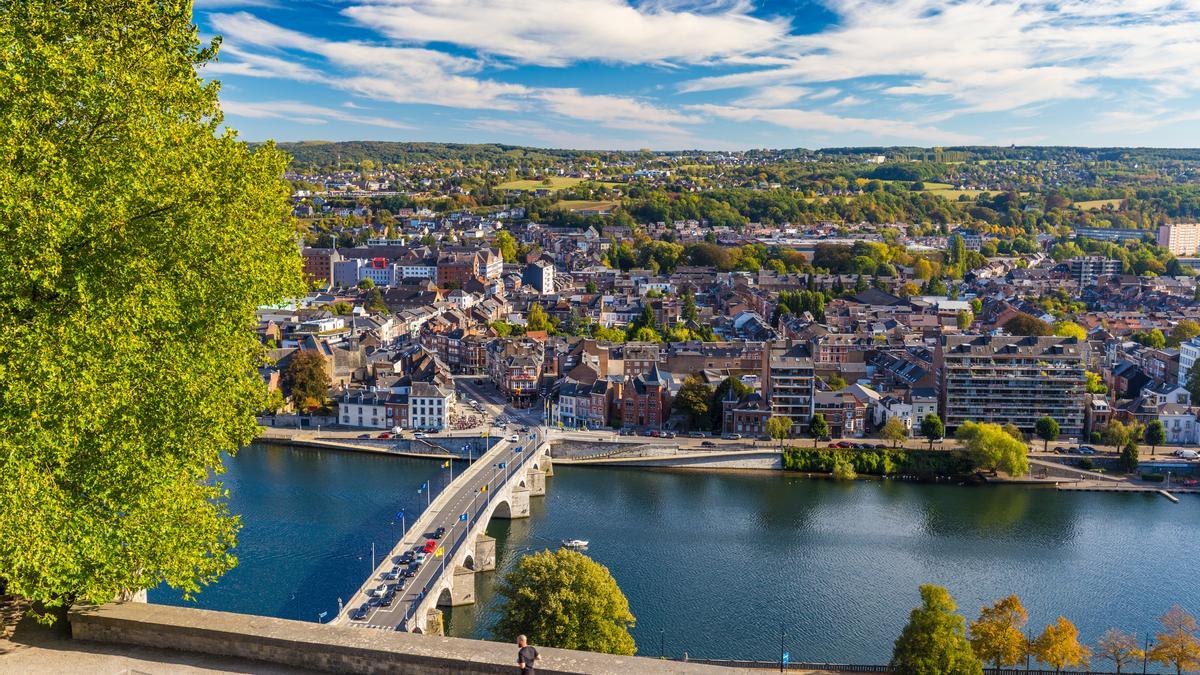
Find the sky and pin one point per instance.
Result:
(715, 75)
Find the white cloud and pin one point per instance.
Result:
(992, 55)
(849, 101)
(304, 113)
(813, 120)
(769, 97)
(617, 112)
(559, 32)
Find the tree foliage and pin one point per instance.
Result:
(1024, 324)
(817, 427)
(992, 448)
(139, 239)
(693, 400)
(932, 429)
(1120, 648)
(306, 378)
(1176, 645)
(1156, 434)
(997, 636)
(934, 641)
(1046, 429)
(565, 599)
(894, 431)
(1059, 647)
(779, 428)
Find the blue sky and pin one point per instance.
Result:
(721, 74)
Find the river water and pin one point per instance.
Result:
(717, 564)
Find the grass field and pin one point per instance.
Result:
(583, 204)
(1097, 204)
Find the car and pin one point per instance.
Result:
(1085, 448)
(695, 434)
(360, 613)
(824, 439)
(763, 437)
(400, 584)
(472, 401)
(732, 437)
(364, 437)
(386, 434)
(843, 444)
(379, 590)
(386, 601)
(421, 556)
(388, 576)
(524, 430)
(708, 444)
(668, 434)
(439, 533)
(419, 434)
(375, 601)
(513, 438)
(654, 433)
(879, 446)
(406, 558)
(1087, 451)
(430, 546)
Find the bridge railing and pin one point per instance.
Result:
(474, 518)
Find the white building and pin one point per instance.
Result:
(429, 407)
(1188, 353)
(364, 408)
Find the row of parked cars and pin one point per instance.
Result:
(847, 445)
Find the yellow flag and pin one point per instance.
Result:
(483, 489)
(440, 552)
(446, 464)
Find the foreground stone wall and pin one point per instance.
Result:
(335, 649)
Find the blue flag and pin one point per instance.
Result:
(322, 615)
(463, 517)
(518, 449)
(400, 515)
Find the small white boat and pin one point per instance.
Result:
(574, 543)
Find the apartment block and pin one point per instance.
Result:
(1182, 239)
(1015, 379)
(788, 381)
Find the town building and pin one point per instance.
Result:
(1086, 269)
(1013, 379)
(1182, 239)
(429, 407)
(788, 381)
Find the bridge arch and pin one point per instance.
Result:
(469, 562)
(502, 509)
(445, 598)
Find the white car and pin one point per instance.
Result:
(514, 438)
(1187, 454)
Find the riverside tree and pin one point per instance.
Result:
(817, 428)
(1156, 435)
(139, 237)
(1047, 430)
(932, 429)
(565, 599)
(992, 448)
(1059, 647)
(1176, 645)
(1119, 647)
(894, 431)
(997, 636)
(934, 641)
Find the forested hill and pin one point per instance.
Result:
(327, 153)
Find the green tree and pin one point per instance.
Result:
(646, 334)
(1155, 339)
(140, 236)
(992, 448)
(817, 428)
(779, 428)
(693, 400)
(507, 246)
(1176, 644)
(608, 334)
(590, 288)
(1059, 647)
(997, 636)
(1182, 332)
(365, 284)
(1047, 430)
(537, 318)
(565, 599)
(1129, 456)
(1117, 434)
(722, 391)
(1070, 329)
(932, 429)
(965, 319)
(894, 431)
(1094, 384)
(836, 382)
(1024, 324)
(1156, 435)
(1118, 647)
(934, 641)
(306, 379)
(376, 303)
(1014, 431)
(688, 311)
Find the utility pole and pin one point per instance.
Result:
(781, 635)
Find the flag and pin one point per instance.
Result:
(483, 489)
(322, 615)
(440, 552)
(463, 517)
(502, 465)
(399, 515)
(518, 448)
(446, 464)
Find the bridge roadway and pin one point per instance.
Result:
(464, 495)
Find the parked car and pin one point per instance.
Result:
(364, 436)
(844, 444)
(668, 434)
(1086, 448)
(439, 533)
(430, 546)
(386, 434)
(654, 433)
(419, 434)
(388, 576)
(708, 444)
(359, 614)
(695, 434)
(1087, 451)
(387, 600)
(732, 437)
(406, 558)
(513, 438)
(379, 590)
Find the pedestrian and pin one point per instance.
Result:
(526, 655)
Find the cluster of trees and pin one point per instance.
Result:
(938, 641)
(701, 403)
(887, 462)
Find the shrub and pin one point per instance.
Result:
(1153, 477)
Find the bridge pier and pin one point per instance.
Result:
(462, 587)
(485, 553)
(518, 504)
(536, 480)
(434, 624)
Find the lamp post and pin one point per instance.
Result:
(781, 649)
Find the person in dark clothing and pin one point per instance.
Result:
(526, 655)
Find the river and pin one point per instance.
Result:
(718, 563)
